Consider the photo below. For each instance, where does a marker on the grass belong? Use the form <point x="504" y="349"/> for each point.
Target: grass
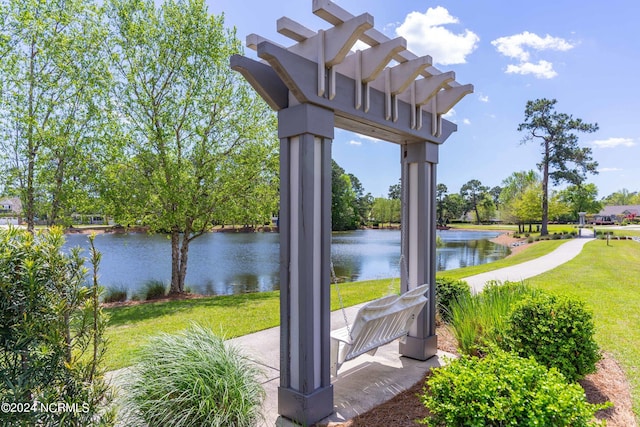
<point x="479" y="321"/>
<point x="607" y="278"/>
<point x="193" y="379"/>
<point x="227" y="315"/>
<point x="529" y="253"/>
<point x="130" y="326"/>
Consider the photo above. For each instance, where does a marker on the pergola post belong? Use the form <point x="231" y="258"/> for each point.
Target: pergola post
<point x="419" y="242"/>
<point x="382" y="91"/>
<point x="305" y="394"/>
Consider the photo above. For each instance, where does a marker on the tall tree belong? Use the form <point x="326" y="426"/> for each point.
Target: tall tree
<point x="395" y="191"/>
<point x="386" y="210"/>
<point x="513" y="189"/>
<point x="562" y="159"/>
<point x="343" y="200"/>
<point x="622" y="197"/>
<point x="54" y="71"/>
<point x="441" y="193"/>
<point x="581" y="198"/>
<point x="475" y="194"/>
<point x="363" y="201"/>
<point x="200" y="138"/>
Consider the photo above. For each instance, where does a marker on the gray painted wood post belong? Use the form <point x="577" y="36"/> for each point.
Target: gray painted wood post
<point x="305" y="394"/>
<point x="419" y="242"/>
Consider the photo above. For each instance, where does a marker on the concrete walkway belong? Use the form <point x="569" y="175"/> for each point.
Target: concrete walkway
<point x="362" y="383"/>
<point x="518" y="272"/>
<point x="368" y="381"/>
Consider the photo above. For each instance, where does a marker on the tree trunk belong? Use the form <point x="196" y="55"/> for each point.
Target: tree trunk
<point x="55" y="203"/>
<point x="31" y="145"/>
<point x="179" y="258"/>
<point x="175" y="261"/>
<point x="545" y="193"/>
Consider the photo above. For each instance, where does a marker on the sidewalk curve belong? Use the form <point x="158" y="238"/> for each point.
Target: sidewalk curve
<point x="525" y="270"/>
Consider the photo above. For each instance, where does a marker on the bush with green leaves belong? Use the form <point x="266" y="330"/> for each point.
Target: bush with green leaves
<point x="447" y="291"/>
<point x="192" y="379"/>
<point x="479" y="321"/>
<point x="51" y="332"/>
<point x="558" y="331"/>
<point x="503" y="389"/>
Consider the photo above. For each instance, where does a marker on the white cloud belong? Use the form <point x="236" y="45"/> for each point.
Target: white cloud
<point x="542" y="70"/>
<point x="609" y="169"/>
<point x="614" y="142"/>
<point x="483" y="98"/>
<point x="449" y="114"/>
<point x="426" y="35"/>
<point x="354" y="142"/>
<point x="466" y="121"/>
<point x="515" y="46"/>
<point x="520" y="47"/>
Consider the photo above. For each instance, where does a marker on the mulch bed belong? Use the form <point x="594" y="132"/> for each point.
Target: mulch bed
<point x="607" y="384"/>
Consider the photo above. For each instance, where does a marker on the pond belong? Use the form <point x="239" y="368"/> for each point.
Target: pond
<point x="231" y="263"/>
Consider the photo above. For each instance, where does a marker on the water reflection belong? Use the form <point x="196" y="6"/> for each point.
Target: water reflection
<point x="229" y="263"/>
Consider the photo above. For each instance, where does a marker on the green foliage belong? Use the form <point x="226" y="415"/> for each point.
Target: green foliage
<point x="558" y="331"/>
<point x="447" y="291"/>
<point x="479" y="321"/>
<point x="153" y="289"/>
<point x="193" y="379"/>
<point x="563" y="160"/>
<point x="502" y="389"/>
<point x="117" y="294"/>
<point x="201" y="145"/>
<point x="344" y="215"/>
<point x="476" y="196"/>
<point x="51" y="326"/>
<point x="386" y="211"/>
<point x="55" y="69"/>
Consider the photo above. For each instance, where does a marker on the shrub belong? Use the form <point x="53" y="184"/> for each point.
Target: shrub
<point x="504" y="389"/>
<point x="51" y="332"/>
<point x="115" y="294"/>
<point x="447" y="291"/>
<point x="192" y="379"/>
<point x="557" y="331"/>
<point x="153" y="289"/>
<point x="479" y="321"/>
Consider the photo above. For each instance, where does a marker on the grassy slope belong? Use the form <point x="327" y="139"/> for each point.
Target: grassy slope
<point x="236" y="315"/>
<point x="531" y="252"/>
<point x="607" y="278"/>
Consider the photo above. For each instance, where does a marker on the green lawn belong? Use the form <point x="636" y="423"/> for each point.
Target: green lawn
<point x="228" y="315"/>
<point x="235" y="315"/>
<point x="531" y="252"/>
<point x="607" y="278"/>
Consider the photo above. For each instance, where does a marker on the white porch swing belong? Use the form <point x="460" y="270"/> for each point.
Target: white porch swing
<point x="378" y="322"/>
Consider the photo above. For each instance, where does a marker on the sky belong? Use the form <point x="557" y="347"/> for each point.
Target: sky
<point x="583" y="53"/>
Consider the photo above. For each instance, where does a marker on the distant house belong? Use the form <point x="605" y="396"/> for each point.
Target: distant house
<point x="616" y="214"/>
<point x="10" y="210"/>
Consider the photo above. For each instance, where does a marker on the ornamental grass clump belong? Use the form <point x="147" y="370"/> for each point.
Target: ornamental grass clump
<point x="192" y="379"/>
<point x="479" y="321"/>
<point x="503" y="389"/>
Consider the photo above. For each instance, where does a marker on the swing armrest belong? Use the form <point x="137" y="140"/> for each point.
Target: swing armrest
<point x="342" y="335"/>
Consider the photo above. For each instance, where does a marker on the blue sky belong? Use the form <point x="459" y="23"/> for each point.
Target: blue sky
<point x="585" y="54"/>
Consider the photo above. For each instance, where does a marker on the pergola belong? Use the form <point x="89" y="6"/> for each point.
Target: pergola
<point x="384" y="92"/>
